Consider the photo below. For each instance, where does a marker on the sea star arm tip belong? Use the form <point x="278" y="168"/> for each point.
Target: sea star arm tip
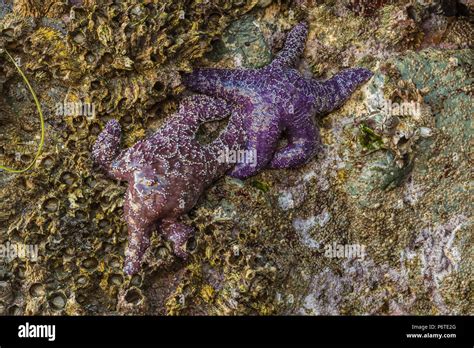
<point x="303" y="144"/>
<point x="138" y="243"/>
<point x="178" y="234"/>
<point x="336" y="90"/>
<point x="294" y="46"/>
<point x="107" y="147"/>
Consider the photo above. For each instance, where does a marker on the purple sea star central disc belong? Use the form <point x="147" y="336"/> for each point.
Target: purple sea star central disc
<point x="277" y="99"/>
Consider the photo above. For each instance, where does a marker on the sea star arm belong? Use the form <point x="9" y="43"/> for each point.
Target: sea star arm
<point x="303" y="143"/>
<point x="262" y="139"/>
<point x="332" y="93"/>
<point x="178" y="234"/>
<point x="229" y="142"/>
<point x="221" y="83"/>
<point x="294" y="46"/>
<point x="107" y="147"/>
<point x="198" y="109"/>
<point x="139" y="232"/>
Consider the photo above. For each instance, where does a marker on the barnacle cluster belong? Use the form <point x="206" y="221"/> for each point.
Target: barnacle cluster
<point x="233" y="270"/>
<point x="123" y="58"/>
<point x="365" y="7"/>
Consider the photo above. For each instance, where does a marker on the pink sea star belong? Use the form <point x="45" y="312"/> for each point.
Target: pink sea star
<point x="167" y="172"/>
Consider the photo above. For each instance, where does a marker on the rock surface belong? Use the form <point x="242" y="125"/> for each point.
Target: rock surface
<point x="392" y="182"/>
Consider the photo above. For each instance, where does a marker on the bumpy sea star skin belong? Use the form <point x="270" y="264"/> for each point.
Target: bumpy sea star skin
<point x="277" y="99"/>
<point x="167" y="172"/>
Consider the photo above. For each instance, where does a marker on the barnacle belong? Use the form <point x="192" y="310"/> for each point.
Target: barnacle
<point x="57" y="300"/>
<point x="37" y="290"/>
<point x="6" y="293"/>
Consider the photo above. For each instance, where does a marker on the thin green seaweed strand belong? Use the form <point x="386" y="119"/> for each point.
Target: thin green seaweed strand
<point x="38" y="107"/>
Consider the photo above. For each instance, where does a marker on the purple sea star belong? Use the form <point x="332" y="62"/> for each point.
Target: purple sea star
<point x="276" y="99"/>
<point x="167" y="172"/>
